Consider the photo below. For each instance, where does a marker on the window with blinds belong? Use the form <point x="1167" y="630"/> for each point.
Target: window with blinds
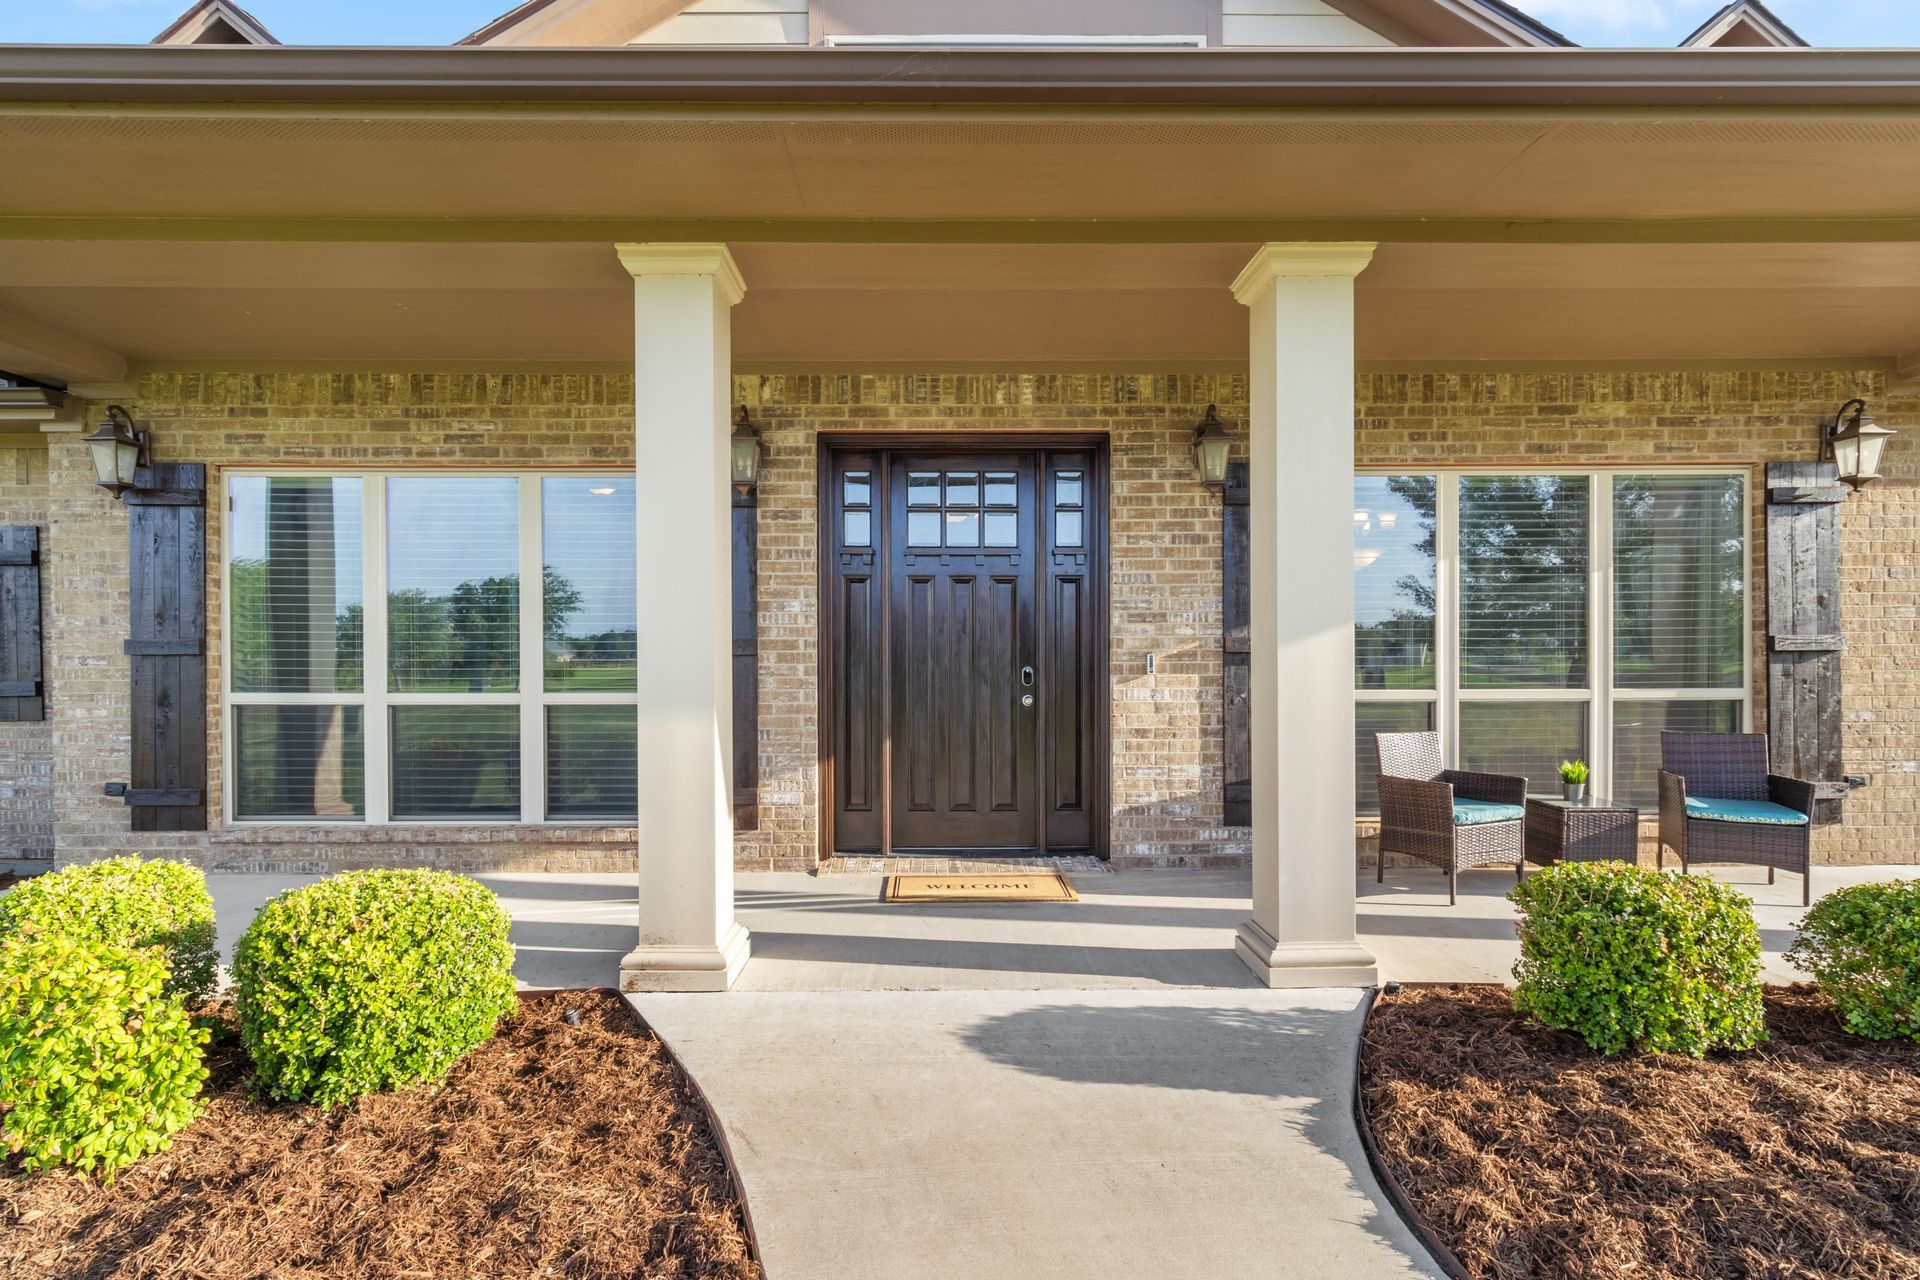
<point x="1573" y="614"/>
<point x="489" y="675"/>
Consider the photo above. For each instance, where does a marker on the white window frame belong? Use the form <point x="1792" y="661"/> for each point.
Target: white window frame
<point x="1599" y="694"/>
<point x="374" y="698"/>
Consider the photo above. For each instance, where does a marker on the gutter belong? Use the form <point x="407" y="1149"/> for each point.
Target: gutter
<point x="1217" y="77"/>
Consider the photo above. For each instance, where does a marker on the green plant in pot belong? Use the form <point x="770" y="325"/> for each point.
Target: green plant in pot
<point x="1573" y="779"/>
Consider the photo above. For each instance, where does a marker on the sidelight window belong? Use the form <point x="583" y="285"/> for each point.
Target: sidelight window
<point x="431" y="648"/>
<point x="1533" y="617"/>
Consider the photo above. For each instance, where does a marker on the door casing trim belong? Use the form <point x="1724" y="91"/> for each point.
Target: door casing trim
<point x="1098" y="442"/>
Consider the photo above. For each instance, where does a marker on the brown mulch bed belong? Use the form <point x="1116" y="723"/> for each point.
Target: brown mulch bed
<point x="552" y="1150"/>
<point x="1534" y="1158"/>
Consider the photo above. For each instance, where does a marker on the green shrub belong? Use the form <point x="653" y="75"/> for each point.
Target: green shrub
<point x="370" y="980"/>
<point x="1862" y="945"/>
<point x="1632" y="959"/>
<point x="99" y="1064"/>
<point x="131" y="903"/>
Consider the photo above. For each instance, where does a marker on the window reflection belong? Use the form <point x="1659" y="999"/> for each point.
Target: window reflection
<point x="453" y="583"/>
<point x="590" y="582"/>
<point x="1523" y="581"/>
<point x="1679" y="557"/>
<point x="294" y="582"/>
<point x="1527" y="739"/>
<point x="1394" y="579"/>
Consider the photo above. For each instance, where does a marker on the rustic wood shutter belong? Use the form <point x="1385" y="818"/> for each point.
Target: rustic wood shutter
<point x="167" y="542"/>
<point x="21" y="690"/>
<point x="1804" y="635"/>
<point x="746" y="662"/>
<point x="1236" y="656"/>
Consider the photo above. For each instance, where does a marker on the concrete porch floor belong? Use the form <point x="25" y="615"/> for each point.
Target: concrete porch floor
<point x="1131" y="929"/>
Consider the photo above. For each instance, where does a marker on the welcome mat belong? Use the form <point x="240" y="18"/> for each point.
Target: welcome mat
<point x="1039" y="886"/>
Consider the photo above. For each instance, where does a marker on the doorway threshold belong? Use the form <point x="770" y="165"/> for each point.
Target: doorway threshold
<point x="869" y="864"/>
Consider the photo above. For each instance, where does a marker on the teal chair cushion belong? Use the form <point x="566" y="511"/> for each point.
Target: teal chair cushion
<point x="1757" y="812"/>
<point x="1474" y="813"/>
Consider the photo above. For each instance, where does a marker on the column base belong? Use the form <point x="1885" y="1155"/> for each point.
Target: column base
<point x="687" y="968"/>
<point x="1304" y="964"/>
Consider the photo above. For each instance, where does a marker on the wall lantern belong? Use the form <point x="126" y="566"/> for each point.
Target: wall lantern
<point x="1854" y="444"/>
<point x="119" y="451"/>
<point x="1211" y="448"/>
<point x="747" y="453"/>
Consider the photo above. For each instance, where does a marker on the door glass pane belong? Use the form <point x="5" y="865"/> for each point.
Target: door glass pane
<point x="1679" y="563"/>
<point x="294" y="586"/>
<point x="859" y="528"/>
<point x="590" y="582"/>
<point x="1067" y="489"/>
<point x="923" y="488"/>
<point x="1370" y="718"/>
<point x="592" y="769"/>
<point x="1394" y="577"/>
<point x="963" y="488"/>
<point x="1523" y="582"/>
<point x="303" y="763"/>
<point x="1067" y="531"/>
<point x="858" y="489"/>
<point x="453" y="583"/>
<point x="1637" y="727"/>
<point x="456" y="762"/>
<point x="963" y="528"/>
<point x="1002" y="529"/>
<point x="923" y="528"/>
<point x="1529" y="739"/>
<point x="1003" y="489"/>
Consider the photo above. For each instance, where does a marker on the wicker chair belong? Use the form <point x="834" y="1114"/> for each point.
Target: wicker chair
<point x="1452" y="819"/>
<point x="1718" y="803"/>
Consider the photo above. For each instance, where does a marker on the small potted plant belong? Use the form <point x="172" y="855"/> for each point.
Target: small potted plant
<point x="1573" y="779"/>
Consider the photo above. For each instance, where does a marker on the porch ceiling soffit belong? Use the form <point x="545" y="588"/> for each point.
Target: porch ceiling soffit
<point x="1212" y="177"/>
<point x="847" y="305"/>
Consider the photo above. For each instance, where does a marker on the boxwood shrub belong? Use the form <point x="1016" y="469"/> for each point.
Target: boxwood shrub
<point x="99" y="1064"/>
<point x="1862" y="945"/>
<point x="1633" y="959"/>
<point x="127" y="902"/>
<point x="370" y="980"/>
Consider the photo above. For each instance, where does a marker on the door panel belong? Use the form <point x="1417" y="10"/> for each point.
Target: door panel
<point x="963" y="628"/>
<point x="964" y="609"/>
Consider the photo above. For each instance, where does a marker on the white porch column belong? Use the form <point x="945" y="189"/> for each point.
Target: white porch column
<point x="1302" y="933"/>
<point x="682" y="371"/>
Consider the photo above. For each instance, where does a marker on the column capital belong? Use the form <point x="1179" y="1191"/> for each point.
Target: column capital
<point x="1302" y="259"/>
<point x="713" y="260"/>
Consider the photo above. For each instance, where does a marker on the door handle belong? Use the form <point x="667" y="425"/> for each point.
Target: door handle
<point x="1026" y="677"/>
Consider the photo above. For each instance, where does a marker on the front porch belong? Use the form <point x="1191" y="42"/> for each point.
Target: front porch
<point x="1132" y="930"/>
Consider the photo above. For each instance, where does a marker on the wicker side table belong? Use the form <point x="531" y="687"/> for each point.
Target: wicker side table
<point x="1581" y="831"/>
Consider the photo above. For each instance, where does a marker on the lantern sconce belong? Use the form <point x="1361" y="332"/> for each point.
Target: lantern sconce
<point x="119" y="451"/>
<point x="1853" y="442"/>
<point x="747" y="453"/>
<point x="1212" y="446"/>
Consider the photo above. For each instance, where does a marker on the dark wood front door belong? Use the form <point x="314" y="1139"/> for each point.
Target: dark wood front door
<point x="964" y="622"/>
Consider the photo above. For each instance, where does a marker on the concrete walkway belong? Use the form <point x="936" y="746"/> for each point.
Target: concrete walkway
<point x="1015" y="1135"/>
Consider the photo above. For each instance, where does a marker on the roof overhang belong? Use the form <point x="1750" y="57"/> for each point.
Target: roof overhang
<point x="1138" y="79"/>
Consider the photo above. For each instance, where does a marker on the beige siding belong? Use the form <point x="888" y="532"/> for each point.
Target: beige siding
<point x="1292" y="23"/>
<point x="734" y="22"/>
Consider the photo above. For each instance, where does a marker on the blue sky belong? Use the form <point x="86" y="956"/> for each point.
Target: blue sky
<point x="1832" y="23"/>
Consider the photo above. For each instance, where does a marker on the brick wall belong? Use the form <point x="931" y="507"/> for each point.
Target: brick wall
<point x="26" y="747"/>
<point x="1165" y="564"/>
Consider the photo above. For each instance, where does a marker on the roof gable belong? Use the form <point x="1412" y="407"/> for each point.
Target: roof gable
<point x="1744" y="24"/>
<point x="216" y="22"/>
